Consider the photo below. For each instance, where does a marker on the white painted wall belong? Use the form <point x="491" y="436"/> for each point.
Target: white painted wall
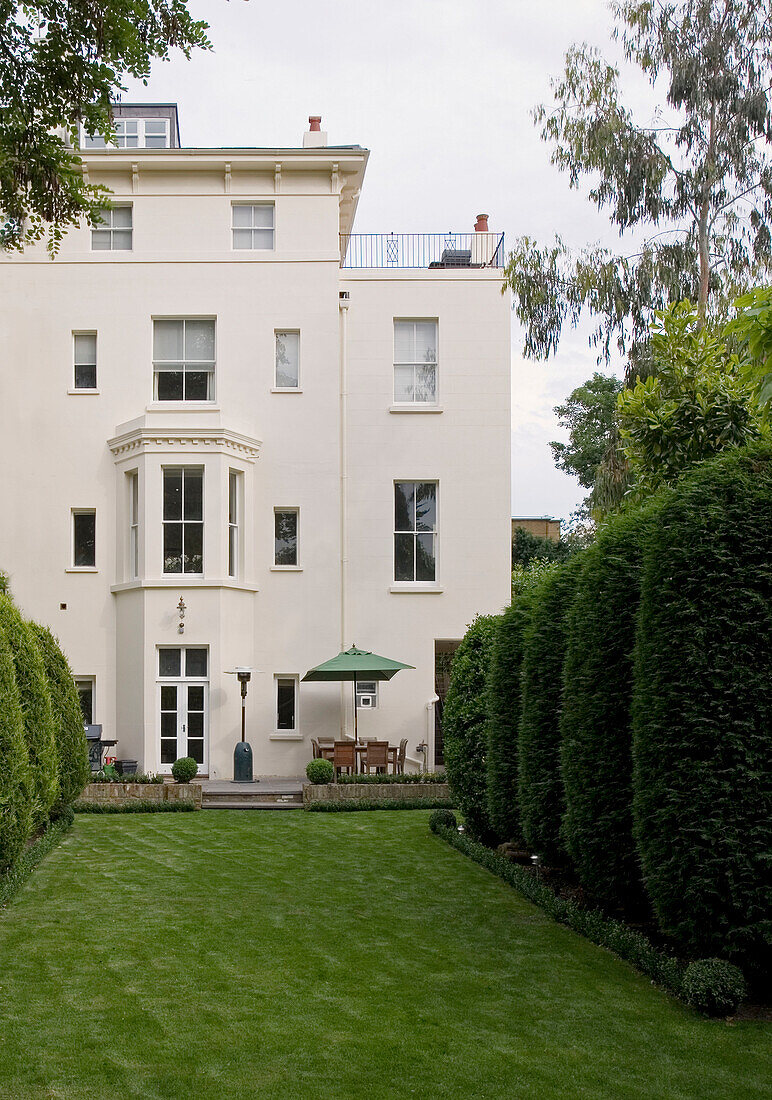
<point x="55" y="455"/>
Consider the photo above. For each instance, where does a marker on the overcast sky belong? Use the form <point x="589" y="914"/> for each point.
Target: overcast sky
<point x="441" y="92"/>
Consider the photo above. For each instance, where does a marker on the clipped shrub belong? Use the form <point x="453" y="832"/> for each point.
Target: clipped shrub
<point x="184" y="769"/>
<point x="320" y="771"/>
<point x="503" y="691"/>
<point x="35" y="699"/>
<point x="15" y="794"/>
<point x="445" y="819"/>
<point x="351" y="805"/>
<point x="540" y="783"/>
<point x="713" y="986"/>
<point x="72" y="752"/>
<point x="464" y="726"/>
<point x="702" y="712"/>
<point x="596" y="719"/>
<point x="405" y="779"/>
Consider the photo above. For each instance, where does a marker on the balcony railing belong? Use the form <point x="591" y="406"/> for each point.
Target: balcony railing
<point x="421" y="250"/>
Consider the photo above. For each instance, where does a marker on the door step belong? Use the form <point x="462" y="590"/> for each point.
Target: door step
<point x="257" y="796"/>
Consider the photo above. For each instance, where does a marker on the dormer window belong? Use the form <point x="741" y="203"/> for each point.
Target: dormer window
<point x="133" y="133"/>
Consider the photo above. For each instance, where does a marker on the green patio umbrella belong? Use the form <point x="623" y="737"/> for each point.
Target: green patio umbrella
<point x="356" y="664"/>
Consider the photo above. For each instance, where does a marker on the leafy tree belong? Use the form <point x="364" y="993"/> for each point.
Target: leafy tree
<point x="696" y="406"/>
<point x="71" y="750"/>
<point x="698" y="180"/>
<point x="60" y="66"/>
<point x="15" y="789"/>
<point x="528" y="548"/>
<point x="589" y="414"/>
<point x="753" y="327"/>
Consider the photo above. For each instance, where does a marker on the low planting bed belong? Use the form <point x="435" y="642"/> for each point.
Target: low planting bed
<point x="123" y="794"/>
<point x="427" y="795"/>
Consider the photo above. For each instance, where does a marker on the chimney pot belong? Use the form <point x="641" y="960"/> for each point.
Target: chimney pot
<point x="315" y="123"/>
<point x="481" y="225"/>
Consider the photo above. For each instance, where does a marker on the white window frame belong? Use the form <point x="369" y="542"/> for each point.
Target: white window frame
<point x="235" y="525"/>
<point x="183" y="681"/>
<point x="416" y="403"/>
<point x="74" y="512"/>
<point x="119" y="125"/>
<point x="109" y="228"/>
<point x="75" y="387"/>
<point x="286" y="734"/>
<point x="296" y="564"/>
<point x="187" y="365"/>
<point x="254" y="228"/>
<point x="276" y="334"/>
<point x="173" y="468"/>
<point x="132" y="478"/>
<point x="89" y="681"/>
<point x="415" y="583"/>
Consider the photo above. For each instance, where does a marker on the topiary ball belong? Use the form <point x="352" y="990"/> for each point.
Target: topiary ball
<point x="442" y="819"/>
<point x="320" y="771"/>
<point x="713" y="986"/>
<point x="184" y="769"/>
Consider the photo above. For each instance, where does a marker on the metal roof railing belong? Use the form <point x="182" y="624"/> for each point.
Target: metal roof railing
<point x="422" y="250"/>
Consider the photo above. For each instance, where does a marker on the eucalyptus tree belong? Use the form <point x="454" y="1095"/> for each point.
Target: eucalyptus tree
<point x="693" y="187"/>
<point x="61" y="65"/>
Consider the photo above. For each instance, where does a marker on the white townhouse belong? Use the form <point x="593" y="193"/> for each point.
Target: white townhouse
<point x="235" y="433"/>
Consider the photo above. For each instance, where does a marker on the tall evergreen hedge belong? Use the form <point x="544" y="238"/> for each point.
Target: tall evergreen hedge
<point x="15" y="794"/>
<point x="35" y="701"/>
<point x="702" y="712"/>
<point x="72" y="752"/>
<point x="503" y="688"/>
<point x="596" y="719"/>
<point x="540" y="784"/>
<point x="464" y="726"/>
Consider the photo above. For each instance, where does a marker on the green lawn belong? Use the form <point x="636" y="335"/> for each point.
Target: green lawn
<point x="227" y="955"/>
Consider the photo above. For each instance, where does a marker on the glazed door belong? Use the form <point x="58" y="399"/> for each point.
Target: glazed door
<point x="183" y="698"/>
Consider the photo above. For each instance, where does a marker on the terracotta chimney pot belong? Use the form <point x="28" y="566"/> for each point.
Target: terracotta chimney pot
<point x="315" y="123"/>
<point x="481" y="225"/>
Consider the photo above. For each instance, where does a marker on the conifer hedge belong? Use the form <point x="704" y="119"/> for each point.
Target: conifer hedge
<point x="595" y="722"/>
<point x="702" y="712"/>
<point x="15" y="795"/>
<point x="35" y="701"/>
<point x="464" y="726"/>
<point x="540" y="783"/>
<point x="72" y="752"/>
<point x="503" y="688"/>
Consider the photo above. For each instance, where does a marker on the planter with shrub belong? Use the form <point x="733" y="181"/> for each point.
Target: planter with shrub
<point x="320" y="771"/>
<point x="185" y="769"/>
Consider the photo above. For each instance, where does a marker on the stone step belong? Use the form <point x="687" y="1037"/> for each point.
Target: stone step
<point x="219" y="804"/>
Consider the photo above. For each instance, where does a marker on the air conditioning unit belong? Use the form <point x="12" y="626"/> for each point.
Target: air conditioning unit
<point x="366" y="701"/>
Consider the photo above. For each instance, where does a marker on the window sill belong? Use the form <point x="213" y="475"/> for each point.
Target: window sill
<point x="182" y="406"/>
<point x="286" y="389"/>
<point x="285" y="737"/>
<point x="286" y="568"/>
<point x="417" y="587"/>
<point x="82" y="569"/>
<point x="183" y="580"/>
<point x="416" y="409"/>
<point x="83" y="393"/>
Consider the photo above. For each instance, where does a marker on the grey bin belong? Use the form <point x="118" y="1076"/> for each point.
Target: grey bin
<point x="126" y="767"/>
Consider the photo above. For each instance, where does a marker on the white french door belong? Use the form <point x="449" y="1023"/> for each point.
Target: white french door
<point x="183" y="705"/>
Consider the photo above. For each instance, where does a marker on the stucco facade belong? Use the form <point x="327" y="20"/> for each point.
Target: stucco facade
<point x="328" y="450"/>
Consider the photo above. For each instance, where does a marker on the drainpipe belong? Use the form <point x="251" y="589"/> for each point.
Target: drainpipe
<point x="343" y="304"/>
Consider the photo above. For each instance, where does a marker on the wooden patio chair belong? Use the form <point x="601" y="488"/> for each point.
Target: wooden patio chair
<point x="376" y="756"/>
<point x="401" y="754"/>
<point x="315" y="750"/>
<point x="344" y="756"/>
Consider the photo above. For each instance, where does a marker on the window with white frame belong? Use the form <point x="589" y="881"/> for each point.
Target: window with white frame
<point x="415" y="362"/>
<point x="133" y="487"/>
<point x="235" y="497"/>
<point x="132" y="133"/>
<point x="286" y="704"/>
<point x="84" y="538"/>
<point x="415" y="531"/>
<point x="184" y="359"/>
<point x="286" y="523"/>
<point x="287" y="360"/>
<point x="86" y="688"/>
<point x="112" y="230"/>
<point x="253" y="225"/>
<point x="183" y="519"/>
<point x="85" y="357"/>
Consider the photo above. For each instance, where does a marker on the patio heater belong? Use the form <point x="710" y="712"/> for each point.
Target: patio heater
<point x="242" y="754"/>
